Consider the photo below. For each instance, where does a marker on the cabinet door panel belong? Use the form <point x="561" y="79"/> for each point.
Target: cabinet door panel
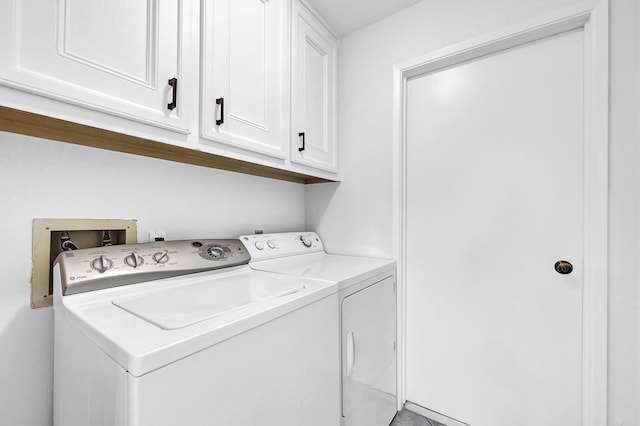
<point x="314" y="93"/>
<point x="313" y="107"/>
<point x="243" y="63"/>
<point x="248" y="50"/>
<point x="114" y="56"/>
<point x="114" y="48"/>
<point x="368" y="355"/>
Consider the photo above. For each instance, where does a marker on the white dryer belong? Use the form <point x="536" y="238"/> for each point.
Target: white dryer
<point x="185" y="333"/>
<point x="367" y="297"/>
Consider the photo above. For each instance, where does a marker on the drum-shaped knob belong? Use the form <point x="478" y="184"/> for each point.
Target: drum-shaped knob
<point x="134" y="260"/>
<point x="101" y="264"/>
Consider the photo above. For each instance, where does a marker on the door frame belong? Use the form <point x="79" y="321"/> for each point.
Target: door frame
<point x="593" y="18"/>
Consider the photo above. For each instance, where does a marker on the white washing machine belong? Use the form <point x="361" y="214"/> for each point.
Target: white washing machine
<point x="185" y="333"/>
<point x="367" y="297"/>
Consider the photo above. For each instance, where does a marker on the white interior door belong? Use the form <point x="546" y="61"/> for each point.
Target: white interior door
<point x="494" y="198"/>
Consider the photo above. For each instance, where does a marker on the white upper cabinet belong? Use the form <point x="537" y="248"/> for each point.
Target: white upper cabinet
<point x="245" y="74"/>
<point x="113" y="56"/>
<point x="251" y="80"/>
<point x="314" y="86"/>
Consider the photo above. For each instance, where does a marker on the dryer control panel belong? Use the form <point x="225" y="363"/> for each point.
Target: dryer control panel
<point x="103" y="267"/>
<point x="270" y="246"/>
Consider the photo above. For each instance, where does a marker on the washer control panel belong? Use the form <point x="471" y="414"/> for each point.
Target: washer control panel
<point x="270" y="246"/>
<point x="103" y="267"/>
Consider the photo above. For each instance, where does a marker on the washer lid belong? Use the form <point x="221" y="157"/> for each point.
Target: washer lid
<point x="176" y="308"/>
<point x="346" y="270"/>
<point x="146" y="326"/>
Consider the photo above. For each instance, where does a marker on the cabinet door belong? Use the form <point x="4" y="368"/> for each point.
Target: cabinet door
<point x="368" y="355"/>
<point x="113" y="56"/>
<point x="244" y="74"/>
<point x="314" y="86"/>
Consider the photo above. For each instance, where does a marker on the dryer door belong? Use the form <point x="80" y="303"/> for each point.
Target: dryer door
<point x="368" y="355"/>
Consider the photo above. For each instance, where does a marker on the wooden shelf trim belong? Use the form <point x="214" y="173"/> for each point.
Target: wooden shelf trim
<point x="26" y="123"/>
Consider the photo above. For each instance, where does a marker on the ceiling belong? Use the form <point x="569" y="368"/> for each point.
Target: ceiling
<point x="347" y="16"/>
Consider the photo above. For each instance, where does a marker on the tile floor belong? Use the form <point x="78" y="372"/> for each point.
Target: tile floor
<point x="408" y="418"/>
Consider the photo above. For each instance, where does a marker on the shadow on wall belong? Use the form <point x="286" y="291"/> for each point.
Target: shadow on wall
<point x="26" y="368"/>
<point x="318" y="197"/>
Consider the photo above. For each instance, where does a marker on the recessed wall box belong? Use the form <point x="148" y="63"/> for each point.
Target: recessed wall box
<point x="52" y="236"/>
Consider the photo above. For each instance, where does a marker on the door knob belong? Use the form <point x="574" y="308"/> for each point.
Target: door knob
<point x="563" y="267"/>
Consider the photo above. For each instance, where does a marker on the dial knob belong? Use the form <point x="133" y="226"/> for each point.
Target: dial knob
<point x="161" y="256"/>
<point x="271" y="244"/>
<point x="215" y="252"/>
<point x="134" y="260"/>
<point x="259" y="245"/>
<point x="306" y="241"/>
<point x="101" y="264"/>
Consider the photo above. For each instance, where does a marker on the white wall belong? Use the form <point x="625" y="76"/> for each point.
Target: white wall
<point x="45" y="179"/>
<point x="624" y="214"/>
<point x="355" y="216"/>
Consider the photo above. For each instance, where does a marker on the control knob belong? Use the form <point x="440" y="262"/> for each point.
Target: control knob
<point x="134" y="260"/>
<point x="161" y="256"/>
<point x="215" y="252"/>
<point x="259" y="245"/>
<point x="101" y="264"/>
<point x="306" y="241"/>
<point x="271" y="244"/>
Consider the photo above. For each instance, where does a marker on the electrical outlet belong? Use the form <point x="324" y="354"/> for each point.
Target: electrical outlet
<point x="157" y="236"/>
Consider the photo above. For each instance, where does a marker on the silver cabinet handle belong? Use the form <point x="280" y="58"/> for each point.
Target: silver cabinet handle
<point x="351" y="352"/>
